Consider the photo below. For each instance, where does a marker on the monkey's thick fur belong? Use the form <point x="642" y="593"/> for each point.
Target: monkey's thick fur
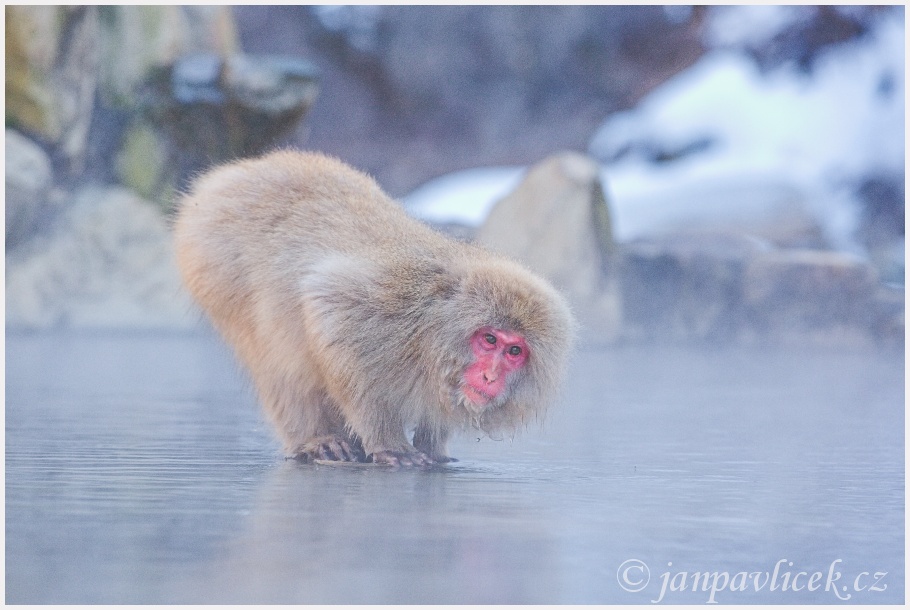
<point x="354" y="319"/>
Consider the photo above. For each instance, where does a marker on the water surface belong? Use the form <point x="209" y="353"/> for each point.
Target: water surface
<point x="139" y="470"/>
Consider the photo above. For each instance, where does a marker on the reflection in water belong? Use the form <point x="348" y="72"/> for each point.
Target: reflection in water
<point x="356" y="535"/>
<point x="138" y="469"/>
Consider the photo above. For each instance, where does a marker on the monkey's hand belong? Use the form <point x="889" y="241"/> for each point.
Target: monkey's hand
<point x="402" y="458"/>
<point x="332" y="448"/>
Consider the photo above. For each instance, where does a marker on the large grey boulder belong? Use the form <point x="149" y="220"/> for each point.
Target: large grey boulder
<point x="28" y="188"/>
<point x="108" y="263"/>
<point x="557" y="223"/>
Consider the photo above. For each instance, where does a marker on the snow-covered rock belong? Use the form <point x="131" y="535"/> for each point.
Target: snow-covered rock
<point x="723" y="123"/>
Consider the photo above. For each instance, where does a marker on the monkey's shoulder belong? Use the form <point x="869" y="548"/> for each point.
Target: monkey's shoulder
<point x="392" y="281"/>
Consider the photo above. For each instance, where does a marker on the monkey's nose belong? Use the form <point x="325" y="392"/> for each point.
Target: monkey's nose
<point x="490" y="376"/>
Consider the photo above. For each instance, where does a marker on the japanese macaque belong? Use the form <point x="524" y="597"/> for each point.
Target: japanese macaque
<point x="357" y="322"/>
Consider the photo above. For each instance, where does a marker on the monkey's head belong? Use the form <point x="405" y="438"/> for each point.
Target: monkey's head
<point x="513" y="332"/>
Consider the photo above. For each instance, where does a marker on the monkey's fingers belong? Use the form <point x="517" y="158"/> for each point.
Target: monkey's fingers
<point x="402" y="458"/>
<point x="337" y="449"/>
<point x="350" y="453"/>
<point x="330" y="449"/>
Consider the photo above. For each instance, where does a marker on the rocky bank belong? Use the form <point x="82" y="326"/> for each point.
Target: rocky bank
<point x="109" y="109"/>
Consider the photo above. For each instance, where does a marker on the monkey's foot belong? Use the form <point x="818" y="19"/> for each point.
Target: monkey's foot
<point x="402" y="458"/>
<point x="331" y="448"/>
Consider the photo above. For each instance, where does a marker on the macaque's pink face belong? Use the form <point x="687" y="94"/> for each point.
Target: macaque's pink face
<point x="497" y="354"/>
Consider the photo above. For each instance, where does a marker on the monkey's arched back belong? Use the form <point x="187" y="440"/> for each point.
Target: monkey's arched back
<point x="309" y="200"/>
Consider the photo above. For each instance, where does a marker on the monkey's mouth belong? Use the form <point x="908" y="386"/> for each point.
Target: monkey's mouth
<point x="477" y="399"/>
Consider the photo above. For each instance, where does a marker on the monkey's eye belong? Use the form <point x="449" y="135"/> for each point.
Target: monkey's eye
<point x="491" y="339"/>
<point x="514" y="350"/>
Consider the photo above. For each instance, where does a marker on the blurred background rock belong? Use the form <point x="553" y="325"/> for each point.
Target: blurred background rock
<point x="110" y="109"/>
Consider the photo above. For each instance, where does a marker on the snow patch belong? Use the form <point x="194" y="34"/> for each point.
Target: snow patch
<point x="464" y="197"/>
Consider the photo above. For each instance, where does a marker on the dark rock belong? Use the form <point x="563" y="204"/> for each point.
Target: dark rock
<point x="215" y="110"/>
<point x="271" y="84"/>
<point x="137" y="40"/>
<point x="196" y="79"/>
<point x="805" y="41"/>
<point x="881" y="228"/>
